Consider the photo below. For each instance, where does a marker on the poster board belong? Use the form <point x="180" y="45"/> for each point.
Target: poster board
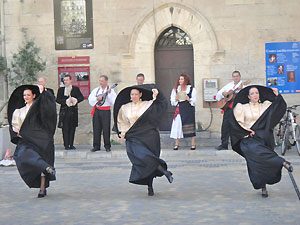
<point x="283" y="66"/>
<point x="79" y="72"/>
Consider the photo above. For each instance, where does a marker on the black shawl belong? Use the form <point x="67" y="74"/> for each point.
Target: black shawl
<point x="151" y="118"/>
<point x="267" y="121"/>
<point x="39" y="125"/>
<point x="142" y="139"/>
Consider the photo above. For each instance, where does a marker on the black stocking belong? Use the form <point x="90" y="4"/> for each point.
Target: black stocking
<point x="150" y="182"/>
<point x="168" y="174"/>
<point x="161" y="169"/>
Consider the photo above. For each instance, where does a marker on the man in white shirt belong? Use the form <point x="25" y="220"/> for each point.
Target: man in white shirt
<point x="101" y="113"/>
<point x="233" y="85"/>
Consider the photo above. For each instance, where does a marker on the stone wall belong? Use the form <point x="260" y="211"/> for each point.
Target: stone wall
<point x="227" y="35"/>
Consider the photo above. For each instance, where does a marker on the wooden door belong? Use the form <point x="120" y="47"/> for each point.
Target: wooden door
<point x="173" y="56"/>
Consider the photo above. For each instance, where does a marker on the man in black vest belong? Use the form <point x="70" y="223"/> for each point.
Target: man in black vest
<point x="68" y="97"/>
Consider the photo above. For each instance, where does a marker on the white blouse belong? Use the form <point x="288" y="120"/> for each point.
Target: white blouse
<point x="18" y="117"/>
<point x="188" y="88"/>
<point x="247" y="114"/>
<point x="129" y="114"/>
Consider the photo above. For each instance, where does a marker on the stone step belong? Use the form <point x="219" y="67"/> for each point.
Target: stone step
<point x="203" y="139"/>
<point x="119" y="151"/>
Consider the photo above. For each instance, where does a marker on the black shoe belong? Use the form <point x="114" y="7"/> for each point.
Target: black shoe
<point x="107" y="149"/>
<point x="150" y="191"/>
<point x="95" y="149"/>
<point x="288" y="166"/>
<point x="72" y="147"/>
<point x="193" y="147"/>
<point x="169" y="176"/>
<point x="51" y="172"/>
<point x="67" y="148"/>
<point x="175" y="147"/>
<point x="42" y="194"/>
<point x="220" y="147"/>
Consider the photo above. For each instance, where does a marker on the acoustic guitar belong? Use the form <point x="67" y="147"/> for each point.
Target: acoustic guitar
<point x="104" y="96"/>
<point x="225" y="102"/>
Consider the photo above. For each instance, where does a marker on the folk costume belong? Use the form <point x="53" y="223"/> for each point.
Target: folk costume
<point x="36" y="124"/>
<point x="139" y="123"/>
<point x="101" y="117"/>
<point x="68" y="114"/>
<point x="183" y="124"/>
<point x="263" y="163"/>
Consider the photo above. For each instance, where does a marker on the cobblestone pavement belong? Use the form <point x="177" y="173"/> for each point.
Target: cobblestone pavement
<point x="209" y="188"/>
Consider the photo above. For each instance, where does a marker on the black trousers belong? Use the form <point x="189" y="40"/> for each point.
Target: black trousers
<point x="101" y="122"/>
<point x="68" y="129"/>
<point x="225" y="130"/>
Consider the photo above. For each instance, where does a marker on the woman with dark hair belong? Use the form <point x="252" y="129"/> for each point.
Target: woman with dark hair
<point x="137" y="112"/>
<point x="183" y="97"/>
<point x="32" y="126"/>
<point x="257" y="109"/>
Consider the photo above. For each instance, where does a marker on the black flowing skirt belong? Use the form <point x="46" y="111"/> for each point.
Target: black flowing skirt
<point x="30" y="165"/>
<point x="264" y="165"/>
<point x="144" y="162"/>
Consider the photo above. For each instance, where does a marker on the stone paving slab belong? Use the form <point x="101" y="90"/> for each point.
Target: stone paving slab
<point x="207" y="189"/>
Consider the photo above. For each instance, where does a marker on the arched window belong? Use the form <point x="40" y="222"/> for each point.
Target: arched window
<point x="172" y="37"/>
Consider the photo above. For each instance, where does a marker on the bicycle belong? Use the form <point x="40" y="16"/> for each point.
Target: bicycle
<point x="290" y="130"/>
<point x="278" y="132"/>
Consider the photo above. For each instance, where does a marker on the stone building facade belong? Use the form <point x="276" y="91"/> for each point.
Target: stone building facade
<point x="226" y="35"/>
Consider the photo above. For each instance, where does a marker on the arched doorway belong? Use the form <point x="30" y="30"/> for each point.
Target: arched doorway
<point x="173" y="56"/>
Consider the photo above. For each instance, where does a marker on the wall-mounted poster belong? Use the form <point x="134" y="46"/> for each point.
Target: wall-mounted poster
<point x="73" y="22"/>
<point x="80" y="78"/>
<point x="283" y="66"/>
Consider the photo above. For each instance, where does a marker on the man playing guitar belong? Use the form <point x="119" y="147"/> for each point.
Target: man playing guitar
<point x="101" y="113"/>
<point x="231" y="88"/>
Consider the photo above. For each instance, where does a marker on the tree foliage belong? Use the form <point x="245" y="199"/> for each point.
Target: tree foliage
<point x="24" y="67"/>
<point x="26" y="64"/>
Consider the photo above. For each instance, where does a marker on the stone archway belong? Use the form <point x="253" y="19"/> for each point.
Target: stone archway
<point x="140" y="57"/>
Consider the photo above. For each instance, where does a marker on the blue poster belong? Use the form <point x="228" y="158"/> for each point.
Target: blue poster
<point x="283" y="66"/>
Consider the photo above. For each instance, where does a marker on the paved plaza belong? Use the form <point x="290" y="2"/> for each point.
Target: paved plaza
<point x="209" y="187"/>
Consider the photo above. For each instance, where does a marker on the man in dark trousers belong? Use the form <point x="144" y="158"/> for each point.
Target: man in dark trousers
<point x="235" y="84"/>
<point x="68" y="97"/>
<point x="101" y="113"/>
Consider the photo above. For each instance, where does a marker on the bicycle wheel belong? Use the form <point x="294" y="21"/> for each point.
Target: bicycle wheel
<point x="286" y="140"/>
<point x="277" y="132"/>
<point x="297" y="138"/>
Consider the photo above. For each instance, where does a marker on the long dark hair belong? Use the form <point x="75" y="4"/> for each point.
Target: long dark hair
<point x="187" y="80"/>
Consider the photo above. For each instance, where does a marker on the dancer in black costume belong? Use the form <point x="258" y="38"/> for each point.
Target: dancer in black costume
<point x="32" y="126"/>
<point x="137" y="112"/>
<point x="257" y="109"/>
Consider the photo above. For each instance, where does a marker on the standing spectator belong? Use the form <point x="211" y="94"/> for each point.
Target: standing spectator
<point x="68" y="97"/>
<point x="42" y="81"/>
<point x="140" y="78"/>
<point x="101" y="113"/>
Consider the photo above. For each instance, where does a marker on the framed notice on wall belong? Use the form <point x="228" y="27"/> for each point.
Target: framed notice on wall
<point x="80" y="78"/>
<point x="283" y="66"/>
<point x="78" y="68"/>
<point x="73" y="22"/>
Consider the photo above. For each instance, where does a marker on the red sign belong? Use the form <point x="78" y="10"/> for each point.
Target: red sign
<point x="74" y="60"/>
<point x="80" y="78"/>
